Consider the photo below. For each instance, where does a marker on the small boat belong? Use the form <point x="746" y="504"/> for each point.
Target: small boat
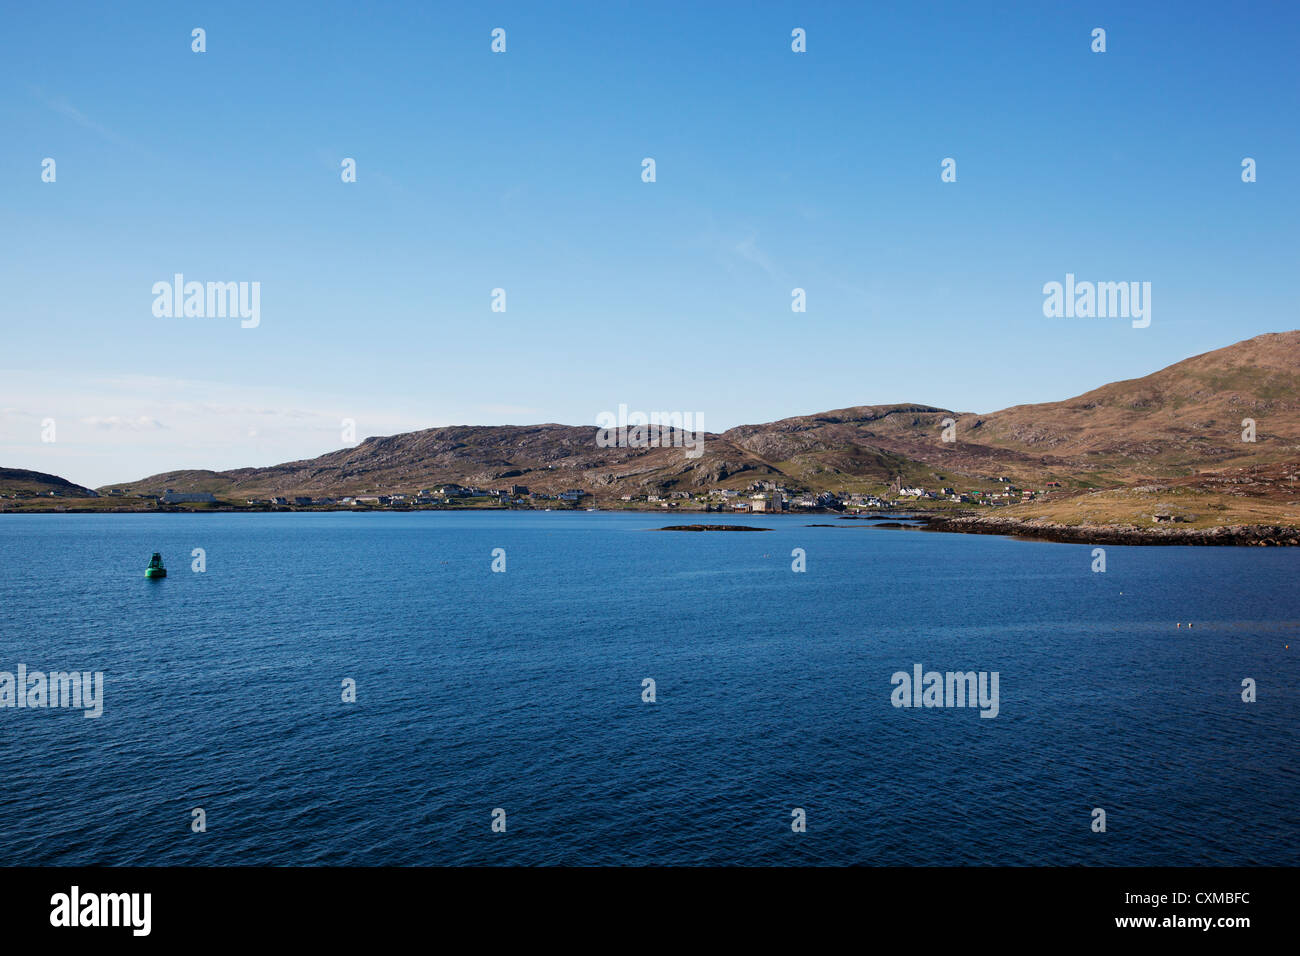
<point x="155" y="569"/>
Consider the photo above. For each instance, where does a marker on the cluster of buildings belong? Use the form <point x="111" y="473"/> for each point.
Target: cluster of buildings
<point x="168" y="496"/>
<point x="517" y="495"/>
<point x="761" y="497"/>
<point x="768" y="497"/>
<point x="299" y="501"/>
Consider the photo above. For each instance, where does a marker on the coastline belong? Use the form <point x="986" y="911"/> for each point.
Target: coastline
<point x="1033" y="529"/>
<point x="1040" y="530"/>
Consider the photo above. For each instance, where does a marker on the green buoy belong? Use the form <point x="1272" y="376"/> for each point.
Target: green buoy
<point x="155" y="569"/>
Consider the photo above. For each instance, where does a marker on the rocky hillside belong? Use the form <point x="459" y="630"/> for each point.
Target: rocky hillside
<point x="546" y="458"/>
<point x="1171" y="423"/>
<point x="1167" y="425"/>
<point x="1185" y="417"/>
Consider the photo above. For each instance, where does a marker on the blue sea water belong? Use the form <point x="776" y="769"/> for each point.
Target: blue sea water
<point x="523" y="691"/>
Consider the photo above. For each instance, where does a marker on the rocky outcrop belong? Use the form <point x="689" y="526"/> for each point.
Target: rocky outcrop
<point x="713" y="527"/>
<point x="1251" y="535"/>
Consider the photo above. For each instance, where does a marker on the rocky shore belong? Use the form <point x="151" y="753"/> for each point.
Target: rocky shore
<point x="1041" y="530"/>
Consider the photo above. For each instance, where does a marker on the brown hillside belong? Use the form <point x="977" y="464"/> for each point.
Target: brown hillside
<point x="1174" y="422"/>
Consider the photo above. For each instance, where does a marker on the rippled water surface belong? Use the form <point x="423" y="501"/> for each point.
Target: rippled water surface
<point x="522" y="690"/>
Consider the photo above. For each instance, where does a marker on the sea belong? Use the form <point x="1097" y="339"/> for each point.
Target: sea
<point x="582" y="688"/>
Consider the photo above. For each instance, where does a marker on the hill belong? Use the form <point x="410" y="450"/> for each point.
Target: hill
<point x="1168" y="425"/>
<point x="1176" y="421"/>
<point x="19" y="483"/>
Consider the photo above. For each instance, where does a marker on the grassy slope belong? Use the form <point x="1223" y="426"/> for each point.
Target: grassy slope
<point x="1135" y="506"/>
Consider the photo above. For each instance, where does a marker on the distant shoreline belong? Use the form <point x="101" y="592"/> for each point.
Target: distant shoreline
<point x="469" y="510"/>
<point x="1032" y="530"/>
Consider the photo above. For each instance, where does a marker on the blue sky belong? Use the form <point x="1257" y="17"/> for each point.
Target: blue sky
<point x="522" y="171"/>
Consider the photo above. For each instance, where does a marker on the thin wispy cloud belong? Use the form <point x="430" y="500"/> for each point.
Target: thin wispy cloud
<point x="748" y="250"/>
<point x="62" y="106"/>
<point x="739" y="253"/>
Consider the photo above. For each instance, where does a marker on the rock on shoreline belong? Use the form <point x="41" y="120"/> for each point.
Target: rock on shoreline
<point x="1038" y="529"/>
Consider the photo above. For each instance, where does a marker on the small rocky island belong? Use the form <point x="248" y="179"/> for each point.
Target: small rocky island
<point x="713" y="527"/>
